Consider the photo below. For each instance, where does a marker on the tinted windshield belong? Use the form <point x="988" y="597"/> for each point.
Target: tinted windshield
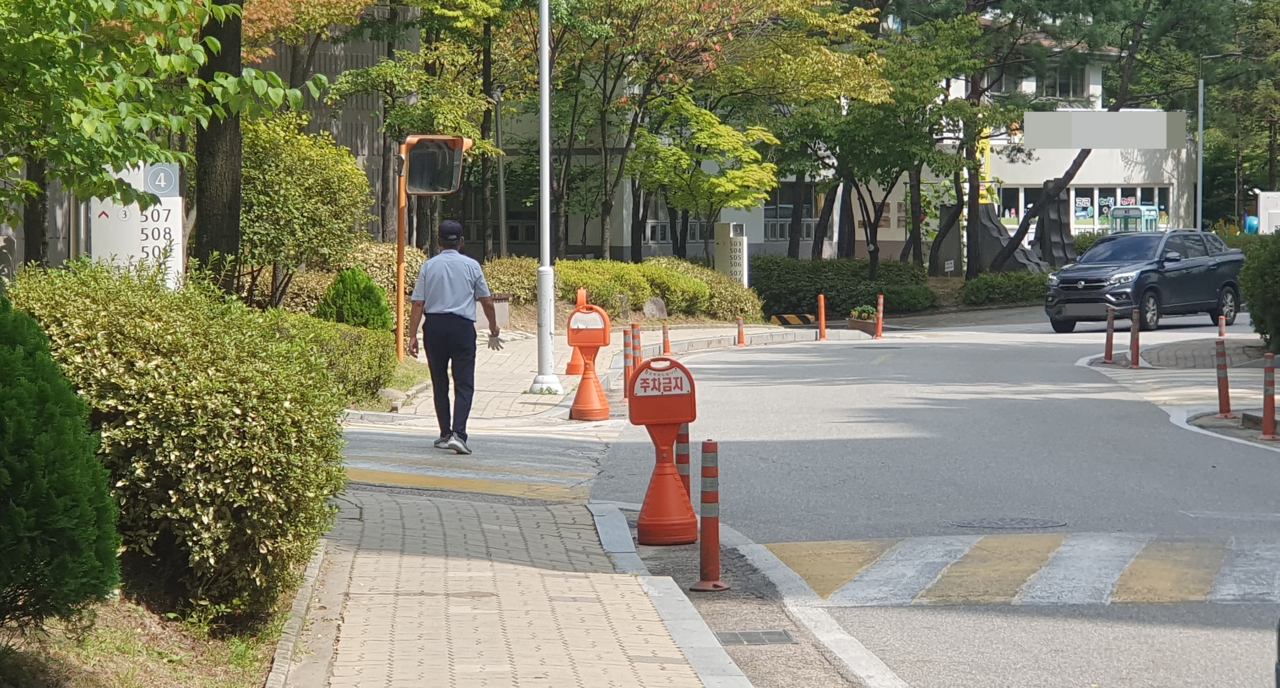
<point x="1128" y="249"/>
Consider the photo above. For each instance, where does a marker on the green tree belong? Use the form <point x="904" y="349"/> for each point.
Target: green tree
<point x="57" y="516"/>
<point x="353" y="299"/>
<point x="692" y="139"/>
<point x="305" y="197"/>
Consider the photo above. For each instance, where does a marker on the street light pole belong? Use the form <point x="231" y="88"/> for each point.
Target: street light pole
<point x="546" y="381"/>
<point x="502" y="174"/>
<point x="1200" y="140"/>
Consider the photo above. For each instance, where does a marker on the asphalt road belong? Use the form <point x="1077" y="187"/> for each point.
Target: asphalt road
<point x="848" y="448"/>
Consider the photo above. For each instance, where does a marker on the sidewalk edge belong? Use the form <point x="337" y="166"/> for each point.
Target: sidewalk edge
<point x="282" y="661"/>
<point x="714" y="667"/>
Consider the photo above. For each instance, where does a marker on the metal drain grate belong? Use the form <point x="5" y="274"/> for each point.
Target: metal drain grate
<point x="756" y="638"/>
<point x="1010" y="523"/>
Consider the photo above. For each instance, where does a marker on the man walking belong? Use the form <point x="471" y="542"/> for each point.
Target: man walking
<point x="446" y="293"/>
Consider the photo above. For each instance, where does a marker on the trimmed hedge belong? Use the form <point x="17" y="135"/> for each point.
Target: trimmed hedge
<point x="377" y="259"/>
<point x="728" y="300"/>
<point x="516" y="276"/>
<point x="57" y="517"/>
<point x="1260" y="282"/>
<point x="681" y="293"/>
<point x="353" y="299"/>
<point x="362" y="361"/>
<point x="788" y="285"/>
<point x="1004" y="288"/>
<point x="221" y="436"/>
<point x="605" y="281"/>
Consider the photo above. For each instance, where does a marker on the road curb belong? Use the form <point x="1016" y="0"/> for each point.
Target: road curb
<point x="714" y="667"/>
<point x="282" y="661"/>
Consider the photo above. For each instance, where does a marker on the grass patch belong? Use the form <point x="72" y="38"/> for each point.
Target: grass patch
<point x="128" y="646"/>
<point x="409" y="374"/>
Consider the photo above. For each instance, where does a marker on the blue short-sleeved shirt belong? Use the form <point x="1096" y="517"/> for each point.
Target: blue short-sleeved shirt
<point x="450" y="283"/>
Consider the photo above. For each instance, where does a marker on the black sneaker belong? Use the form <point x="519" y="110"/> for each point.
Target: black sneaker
<point x="457" y="445"/>
<point x="442" y="442"/>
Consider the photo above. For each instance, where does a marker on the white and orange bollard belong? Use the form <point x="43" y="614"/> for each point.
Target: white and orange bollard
<point x="1134" y="326"/>
<point x="1224" y="389"/>
<point x="1108" y="353"/>
<point x="628" y="362"/>
<point x="742" y="333"/>
<point x="1269" y="399"/>
<point x="880" y="317"/>
<point x="682" y="457"/>
<point x="709" y="546"/>
<point x="637" y="355"/>
<point x="666" y="340"/>
<point x="822" y="317"/>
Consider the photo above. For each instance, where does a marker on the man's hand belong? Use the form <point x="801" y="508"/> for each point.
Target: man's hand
<point x="494" y="342"/>
<point x="413" y="344"/>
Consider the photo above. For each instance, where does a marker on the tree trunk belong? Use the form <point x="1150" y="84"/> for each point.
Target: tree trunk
<point x="973" y="226"/>
<point x="302" y="57"/>
<point x="824" y="224"/>
<point x="486" y="130"/>
<point x="1024" y="225"/>
<point x="219" y="154"/>
<point x="797" y="216"/>
<point x="390" y="191"/>
<point x="606" y="216"/>
<point x="1273" y="147"/>
<point x="684" y="234"/>
<point x="422" y="224"/>
<point x="915" y="243"/>
<point x="638" y="221"/>
<point x="35" y="214"/>
<point x="560" y="232"/>
<point x="847" y="243"/>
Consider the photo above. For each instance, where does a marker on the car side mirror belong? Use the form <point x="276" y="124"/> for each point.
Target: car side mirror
<point x="1172" y="256"/>
<point x="1235" y="251"/>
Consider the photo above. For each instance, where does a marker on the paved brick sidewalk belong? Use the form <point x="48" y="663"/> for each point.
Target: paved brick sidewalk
<point x="1200" y="354"/>
<point x="503" y="377"/>
<point x="418" y="591"/>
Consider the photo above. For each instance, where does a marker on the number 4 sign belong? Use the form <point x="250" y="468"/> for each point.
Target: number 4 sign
<point x="130" y="234"/>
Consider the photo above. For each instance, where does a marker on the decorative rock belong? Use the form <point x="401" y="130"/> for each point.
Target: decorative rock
<point x="392" y="395"/>
<point x="655" y="309"/>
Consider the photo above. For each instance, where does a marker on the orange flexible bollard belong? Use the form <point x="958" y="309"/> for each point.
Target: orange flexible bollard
<point x="822" y="317"/>
<point x="1269" y="399"/>
<point x="628" y="362"/>
<point x="880" y="317"/>
<point x="1135" y="325"/>
<point x="682" y="457"/>
<point x="1224" y="390"/>
<point x="742" y="333"/>
<point x="1107" y="356"/>
<point x="1222" y="326"/>
<point x="709" y="548"/>
<point x="637" y="355"/>
<point x="666" y="340"/>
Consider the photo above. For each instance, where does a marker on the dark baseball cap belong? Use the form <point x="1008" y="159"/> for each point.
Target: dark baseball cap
<point x="450" y="230"/>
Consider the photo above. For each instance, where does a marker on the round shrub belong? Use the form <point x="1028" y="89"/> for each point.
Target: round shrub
<point x="729" y="300"/>
<point x="991" y="288"/>
<point x="362" y="361"/>
<point x="680" y="292"/>
<point x="1260" y="281"/>
<point x="221" y="436"/>
<point x="355" y="300"/>
<point x="516" y="276"/>
<point x="57" y="517"/>
<point x="788" y="285"/>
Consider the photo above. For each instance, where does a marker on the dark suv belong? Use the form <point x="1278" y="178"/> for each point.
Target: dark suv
<point x="1177" y="272"/>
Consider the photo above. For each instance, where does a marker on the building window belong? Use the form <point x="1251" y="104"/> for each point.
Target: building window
<point x="1064" y="82"/>
<point x="1147" y="195"/>
<point x="1083" y="208"/>
<point x="1009" y="203"/>
<point x="1162" y="201"/>
<point x="530" y="233"/>
<point x="659" y="233"/>
<point x="781" y="202"/>
<point x="1107" y="199"/>
<point x="1129" y="195"/>
<point x="513" y="231"/>
<point x="1008" y="80"/>
<point x="1030" y="197"/>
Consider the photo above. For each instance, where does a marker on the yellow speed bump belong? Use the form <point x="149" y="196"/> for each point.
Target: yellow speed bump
<point x="1169" y="571"/>
<point x="828" y="566"/>
<point x="993" y="571"/>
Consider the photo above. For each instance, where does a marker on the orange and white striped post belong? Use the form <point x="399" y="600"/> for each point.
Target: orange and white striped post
<point x="742" y="333"/>
<point x="1134" y="326"/>
<point x="637" y="356"/>
<point x="1224" y="390"/>
<point x="682" y="457"/>
<point x="822" y="317"/>
<point x="709" y="546"/>
<point x="1107" y="354"/>
<point x="1222" y="326"/>
<point x="666" y="340"/>
<point x="1269" y="399"/>
<point x="628" y="362"/>
<point x="880" y="317"/>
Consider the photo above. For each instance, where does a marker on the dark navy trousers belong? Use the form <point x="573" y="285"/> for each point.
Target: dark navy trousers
<point x="451" y="339"/>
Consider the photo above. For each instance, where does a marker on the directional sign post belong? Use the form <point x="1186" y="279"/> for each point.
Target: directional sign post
<point x="129" y="234"/>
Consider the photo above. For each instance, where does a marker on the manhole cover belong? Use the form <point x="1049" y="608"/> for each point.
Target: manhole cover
<point x="1010" y="523"/>
<point x="756" y="638"/>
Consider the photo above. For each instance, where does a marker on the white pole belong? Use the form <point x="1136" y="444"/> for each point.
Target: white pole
<point x="546" y="382"/>
<point x="502" y="180"/>
<point x="1200" y="154"/>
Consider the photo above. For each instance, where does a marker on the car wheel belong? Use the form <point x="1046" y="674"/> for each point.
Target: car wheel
<point x="1149" y="312"/>
<point x="1228" y="306"/>
<point x="1063" y="326"/>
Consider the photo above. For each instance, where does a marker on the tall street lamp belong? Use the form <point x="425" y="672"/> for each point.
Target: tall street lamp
<point x="1200" y="140"/>
<point x="546" y="381"/>
<point x="502" y="173"/>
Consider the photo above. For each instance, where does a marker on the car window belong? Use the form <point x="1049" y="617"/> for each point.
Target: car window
<point x="1216" y="244"/>
<point x="1123" y="249"/>
<point x="1195" y="247"/>
<point x="1176" y="244"/>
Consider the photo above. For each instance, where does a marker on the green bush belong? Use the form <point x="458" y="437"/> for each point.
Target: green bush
<point x="362" y="361"/>
<point x="1249" y="243"/>
<point x="1004" y="288"/>
<point x="792" y="286"/>
<point x="728" y="301"/>
<point x="1085" y="240"/>
<point x="1260" y="282"/>
<point x="515" y="276"/>
<point x="355" y="300"/>
<point x="221" y="436"/>
<point x="604" y="280"/>
<point x="377" y="259"/>
<point x="57" y="518"/>
<point x="680" y="292"/>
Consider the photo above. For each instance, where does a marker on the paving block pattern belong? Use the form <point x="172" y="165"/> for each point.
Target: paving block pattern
<point x="1199" y="354"/>
<point x="475" y="595"/>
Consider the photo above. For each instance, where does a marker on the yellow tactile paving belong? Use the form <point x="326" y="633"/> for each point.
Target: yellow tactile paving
<point x="1168" y="571"/>
<point x="529" y="490"/>
<point x="827" y="566"/>
<point x="993" y="571"/>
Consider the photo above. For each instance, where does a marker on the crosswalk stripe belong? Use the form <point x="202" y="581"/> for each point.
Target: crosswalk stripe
<point x="899" y="576"/>
<point x="1083" y="570"/>
<point x="828" y="566"/>
<point x="1250" y="574"/>
<point x="993" y="571"/>
<point x="1168" y="571"/>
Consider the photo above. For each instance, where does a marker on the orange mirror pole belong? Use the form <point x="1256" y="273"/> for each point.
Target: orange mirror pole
<point x="400" y="241"/>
